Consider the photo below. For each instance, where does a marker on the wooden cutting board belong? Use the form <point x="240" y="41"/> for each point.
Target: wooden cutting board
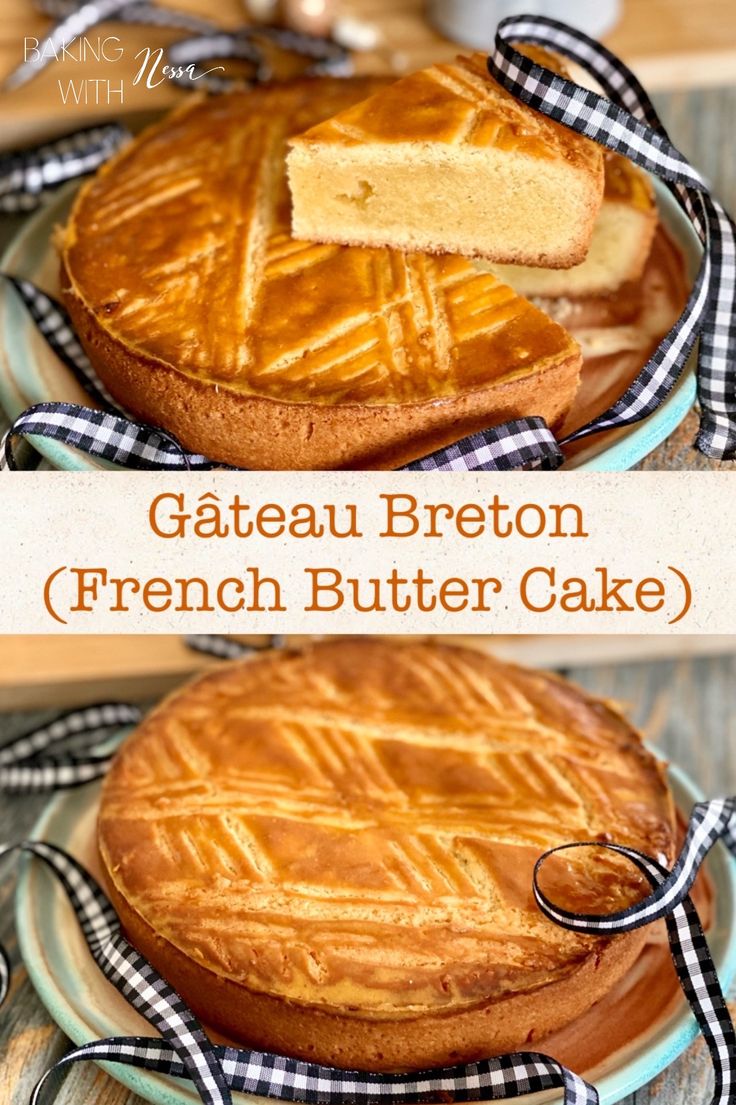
<point x="670" y="44"/>
<point x="63" y="671"/>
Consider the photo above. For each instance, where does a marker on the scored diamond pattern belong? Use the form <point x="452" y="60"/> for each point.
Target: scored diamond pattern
<point x="456" y="104"/>
<point x="357" y="811"/>
<point x="182" y="246"/>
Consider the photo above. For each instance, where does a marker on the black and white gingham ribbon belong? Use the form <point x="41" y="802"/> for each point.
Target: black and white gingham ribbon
<point x="709" y="822"/>
<point x="33" y="762"/>
<point x="28" y="176"/>
<point x="628" y="123"/>
<point x="227" y="648"/>
<point x="327" y="57"/>
<point x="215" y="1071"/>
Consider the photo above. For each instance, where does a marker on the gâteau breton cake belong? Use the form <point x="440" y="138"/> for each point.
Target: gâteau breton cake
<point x="622" y="238"/>
<point x="447" y="160"/>
<point x="204" y="316"/>
<point x="329" y="851"/>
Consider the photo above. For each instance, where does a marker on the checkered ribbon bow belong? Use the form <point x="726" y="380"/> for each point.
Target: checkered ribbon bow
<point x="625" y="121"/>
<point x="184" y="1051"/>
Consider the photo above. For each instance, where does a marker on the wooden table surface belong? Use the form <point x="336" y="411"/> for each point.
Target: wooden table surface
<point x="685" y="709"/>
<point x="701" y="123"/>
<point x="669" y="43"/>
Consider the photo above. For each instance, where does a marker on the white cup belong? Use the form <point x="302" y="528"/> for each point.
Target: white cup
<point x="473" y="22"/>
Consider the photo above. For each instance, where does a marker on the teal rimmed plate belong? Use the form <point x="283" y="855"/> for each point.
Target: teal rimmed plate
<point x="31" y="373"/>
<point x="87" y="1007"/>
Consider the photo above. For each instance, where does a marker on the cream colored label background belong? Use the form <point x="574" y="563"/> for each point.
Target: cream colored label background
<point x="639" y="525"/>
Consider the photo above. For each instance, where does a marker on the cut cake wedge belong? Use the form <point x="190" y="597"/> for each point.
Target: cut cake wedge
<point x="447" y="161"/>
<point x="622" y="239"/>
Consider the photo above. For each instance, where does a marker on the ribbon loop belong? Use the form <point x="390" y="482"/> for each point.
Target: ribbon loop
<point x="628" y="123"/>
<point x="709" y="823"/>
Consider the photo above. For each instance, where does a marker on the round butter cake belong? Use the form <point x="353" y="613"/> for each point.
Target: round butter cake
<point x="203" y="315"/>
<point x="329" y="851"/>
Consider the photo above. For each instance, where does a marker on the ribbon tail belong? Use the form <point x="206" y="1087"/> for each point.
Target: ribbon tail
<point x="689" y="945"/>
<point x="717" y="360"/>
<point x="691" y="955"/>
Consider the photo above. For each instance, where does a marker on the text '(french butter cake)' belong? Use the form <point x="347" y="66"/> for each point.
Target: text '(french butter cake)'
<point x="447" y="160"/>
<point x="329" y="851"/>
<point x="203" y="315"/>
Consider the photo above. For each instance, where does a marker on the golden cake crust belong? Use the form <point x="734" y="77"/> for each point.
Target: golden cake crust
<point x="459" y="104"/>
<point x="329" y="852"/>
<point x="201" y="314"/>
<point x="447" y="160"/>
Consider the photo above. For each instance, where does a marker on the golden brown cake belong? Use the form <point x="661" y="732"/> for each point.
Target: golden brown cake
<point x="204" y="316"/>
<point x="447" y="160"/>
<point x="329" y="851"/>
<point x="622" y="238"/>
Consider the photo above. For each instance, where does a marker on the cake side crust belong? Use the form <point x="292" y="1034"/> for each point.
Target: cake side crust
<point x="263" y="433"/>
<point x="349" y="1041"/>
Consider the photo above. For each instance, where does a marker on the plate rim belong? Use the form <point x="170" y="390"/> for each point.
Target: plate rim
<point x="620" y="456"/>
<point x="162" y="1090"/>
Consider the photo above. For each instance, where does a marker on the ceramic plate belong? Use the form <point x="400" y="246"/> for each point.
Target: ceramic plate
<point x="87" y="1007"/>
<point x="31" y="373"/>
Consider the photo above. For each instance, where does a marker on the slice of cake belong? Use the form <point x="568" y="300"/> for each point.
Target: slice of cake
<point x="446" y="160"/>
<point x="622" y="239"/>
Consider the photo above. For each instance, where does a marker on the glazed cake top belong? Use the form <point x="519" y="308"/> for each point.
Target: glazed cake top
<point x="355" y="825"/>
<point x="181" y="248"/>
<point x="458" y="104"/>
